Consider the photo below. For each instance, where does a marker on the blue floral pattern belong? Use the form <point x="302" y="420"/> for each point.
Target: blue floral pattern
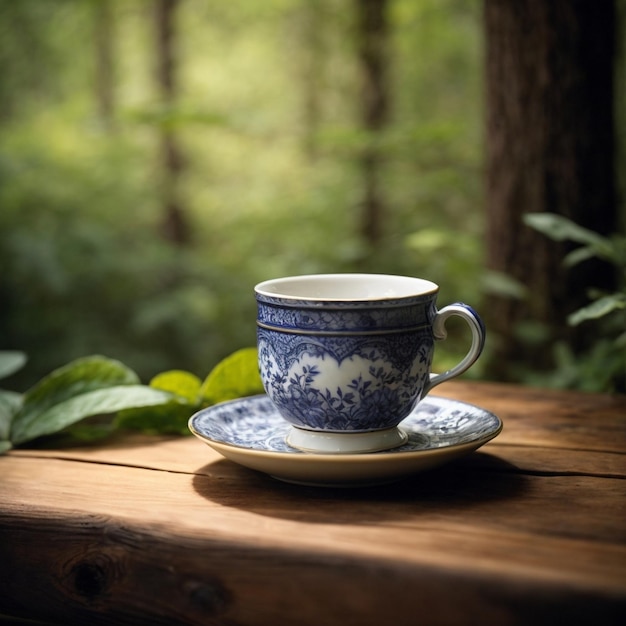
<point x="255" y="424"/>
<point x="345" y="366"/>
<point x="353" y="316"/>
<point x="348" y="383"/>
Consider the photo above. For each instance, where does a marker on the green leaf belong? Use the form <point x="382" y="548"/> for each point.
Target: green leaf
<point x="579" y="255"/>
<point x="183" y="384"/>
<point x="170" y="418"/>
<point x="11" y="361"/>
<point x="236" y="376"/>
<point x="429" y="240"/>
<point x="165" y="419"/>
<point x="5" y="446"/>
<point x="10" y="404"/>
<point x="601" y="307"/>
<point x="85" y="431"/>
<point x="560" y="228"/>
<point x="169" y="117"/>
<point x="501" y="284"/>
<point x="76" y="378"/>
<point x="97" y="402"/>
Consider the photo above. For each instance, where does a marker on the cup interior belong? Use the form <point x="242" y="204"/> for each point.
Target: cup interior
<point x="346" y="287"/>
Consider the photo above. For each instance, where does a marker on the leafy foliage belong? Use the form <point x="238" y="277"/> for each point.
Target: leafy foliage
<point x="10" y="362"/>
<point x="269" y="190"/>
<point x="97" y="386"/>
<point x="603" y="367"/>
<point x="234" y="377"/>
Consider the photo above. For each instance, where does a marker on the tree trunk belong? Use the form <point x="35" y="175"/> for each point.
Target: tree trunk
<point x="175" y="225"/>
<point x="373" y="44"/>
<point x="310" y="32"/>
<point x="105" y="83"/>
<point x="550" y="148"/>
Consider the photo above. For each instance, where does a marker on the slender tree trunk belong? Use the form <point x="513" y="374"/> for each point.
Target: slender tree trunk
<point x="105" y="78"/>
<point x="373" y="44"/>
<point x="550" y="148"/>
<point x="175" y="225"/>
<point x="311" y="33"/>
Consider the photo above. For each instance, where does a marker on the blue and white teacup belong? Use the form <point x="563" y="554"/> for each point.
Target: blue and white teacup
<point x="346" y="357"/>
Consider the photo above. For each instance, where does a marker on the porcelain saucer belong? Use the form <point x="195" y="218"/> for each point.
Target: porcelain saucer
<point x="251" y="432"/>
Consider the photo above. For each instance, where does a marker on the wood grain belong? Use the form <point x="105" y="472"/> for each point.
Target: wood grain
<point x="165" y="531"/>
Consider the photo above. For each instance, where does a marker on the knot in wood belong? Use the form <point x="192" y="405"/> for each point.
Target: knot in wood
<point x="209" y="597"/>
<point x="91" y="576"/>
<point x="89" y="579"/>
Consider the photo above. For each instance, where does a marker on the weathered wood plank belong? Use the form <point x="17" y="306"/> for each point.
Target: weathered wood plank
<point x="548" y="417"/>
<point x="475" y="512"/>
<point x="117" y="574"/>
<point x="99" y="571"/>
<point x="540" y="426"/>
<point x="528" y="530"/>
<point x="532" y="417"/>
<point x="189" y="455"/>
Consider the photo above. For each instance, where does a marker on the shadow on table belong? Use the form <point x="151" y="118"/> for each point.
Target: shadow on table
<point x="477" y="481"/>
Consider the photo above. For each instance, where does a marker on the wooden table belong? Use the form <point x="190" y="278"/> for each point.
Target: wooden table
<point x="531" y="529"/>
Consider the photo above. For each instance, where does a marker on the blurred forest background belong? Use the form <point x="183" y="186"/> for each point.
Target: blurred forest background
<point x="159" y="157"/>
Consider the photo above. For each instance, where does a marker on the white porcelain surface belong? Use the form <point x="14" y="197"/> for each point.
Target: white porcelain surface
<point x="345" y="443"/>
<point x="352" y="353"/>
<point x="251" y="432"/>
<point x="346" y="287"/>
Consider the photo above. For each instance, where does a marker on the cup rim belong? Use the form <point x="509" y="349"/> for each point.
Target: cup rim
<point x="381" y="287"/>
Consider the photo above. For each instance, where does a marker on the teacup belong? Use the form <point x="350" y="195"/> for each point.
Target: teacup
<point x="346" y="357"/>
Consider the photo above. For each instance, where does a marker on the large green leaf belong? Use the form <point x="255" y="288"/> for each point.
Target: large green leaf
<point x="10" y="362"/>
<point x="501" y="284"/>
<point x="236" y="376"/>
<point x="90" y="403"/>
<point x="598" y="308"/>
<point x="78" y="377"/>
<point x="166" y="419"/>
<point x="584" y="253"/>
<point x="560" y="228"/>
<point x="10" y="404"/>
<point x="183" y="384"/>
<point x="169" y="418"/>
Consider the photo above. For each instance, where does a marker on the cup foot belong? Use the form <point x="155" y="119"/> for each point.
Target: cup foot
<point x="345" y="443"/>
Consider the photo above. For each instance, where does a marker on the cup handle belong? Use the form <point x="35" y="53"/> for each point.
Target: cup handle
<point x="478" y="340"/>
